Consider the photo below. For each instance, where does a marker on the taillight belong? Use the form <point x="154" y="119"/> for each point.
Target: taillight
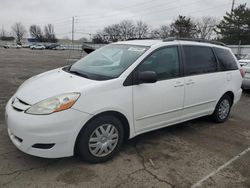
<point x="242" y="72"/>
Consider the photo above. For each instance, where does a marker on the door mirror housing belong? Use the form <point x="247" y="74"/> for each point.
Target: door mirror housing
<point x="147" y="77"/>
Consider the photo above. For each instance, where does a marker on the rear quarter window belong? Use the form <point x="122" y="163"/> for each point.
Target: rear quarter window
<point x="199" y="60"/>
<point x="226" y="59"/>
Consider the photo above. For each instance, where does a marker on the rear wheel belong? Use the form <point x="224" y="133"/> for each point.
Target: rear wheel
<point x="222" y="109"/>
<point x="100" y="139"/>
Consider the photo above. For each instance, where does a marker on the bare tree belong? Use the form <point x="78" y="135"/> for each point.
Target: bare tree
<point x="112" y="32"/>
<point x="162" y="32"/>
<point x="127" y="29"/>
<point x="141" y="29"/>
<point x="123" y="31"/>
<point x="19" y="32"/>
<point x="100" y="38"/>
<point x="36" y="32"/>
<point x="206" y="27"/>
<point x="49" y="33"/>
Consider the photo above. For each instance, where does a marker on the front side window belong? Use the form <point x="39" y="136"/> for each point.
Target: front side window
<point x="164" y="62"/>
<point x="199" y="60"/>
<point x="226" y="59"/>
<point x="107" y="62"/>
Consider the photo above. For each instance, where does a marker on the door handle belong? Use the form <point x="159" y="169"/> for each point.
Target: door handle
<point x="190" y="82"/>
<point x="178" y="84"/>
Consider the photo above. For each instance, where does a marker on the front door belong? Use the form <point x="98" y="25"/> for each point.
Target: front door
<point x="158" y="104"/>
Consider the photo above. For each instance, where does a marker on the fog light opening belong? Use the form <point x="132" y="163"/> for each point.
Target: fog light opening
<point x="43" y="146"/>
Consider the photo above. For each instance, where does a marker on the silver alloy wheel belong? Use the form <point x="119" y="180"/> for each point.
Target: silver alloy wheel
<point x="224" y="109"/>
<point x="103" y="140"/>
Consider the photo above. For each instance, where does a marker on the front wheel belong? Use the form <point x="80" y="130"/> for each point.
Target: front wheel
<point x="100" y="139"/>
<point x="222" y="109"/>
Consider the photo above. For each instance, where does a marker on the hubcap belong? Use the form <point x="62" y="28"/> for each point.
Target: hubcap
<point x="103" y="140"/>
<point x="224" y="109"/>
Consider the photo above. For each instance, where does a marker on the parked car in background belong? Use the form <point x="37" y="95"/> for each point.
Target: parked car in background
<point x="245" y="60"/>
<point x="51" y="46"/>
<point x="245" y="64"/>
<point x="120" y="91"/>
<point x="16" y="46"/>
<point x="26" y="45"/>
<point x="59" y="47"/>
<point x="6" y="46"/>
<point x="37" y="47"/>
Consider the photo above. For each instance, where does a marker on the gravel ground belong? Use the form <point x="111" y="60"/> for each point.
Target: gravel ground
<point x="176" y="156"/>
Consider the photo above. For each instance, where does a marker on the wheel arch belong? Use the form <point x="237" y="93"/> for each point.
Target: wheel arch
<point x="116" y="114"/>
<point x="231" y="95"/>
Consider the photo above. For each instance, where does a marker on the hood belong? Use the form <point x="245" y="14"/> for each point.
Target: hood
<point x="50" y="84"/>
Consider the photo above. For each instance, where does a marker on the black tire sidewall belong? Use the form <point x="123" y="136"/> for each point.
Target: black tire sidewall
<point x="86" y="132"/>
<point x="216" y="112"/>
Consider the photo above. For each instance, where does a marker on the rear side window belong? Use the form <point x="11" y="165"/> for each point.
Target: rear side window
<point x="226" y="59"/>
<point x="199" y="60"/>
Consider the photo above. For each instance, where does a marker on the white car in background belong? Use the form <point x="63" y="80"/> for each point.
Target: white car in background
<point x="120" y="91"/>
<point x="16" y="46"/>
<point x="37" y="47"/>
<point x="245" y="64"/>
<point x="59" y="47"/>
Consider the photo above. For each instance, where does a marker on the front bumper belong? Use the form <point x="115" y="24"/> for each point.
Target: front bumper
<point x="58" y="130"/>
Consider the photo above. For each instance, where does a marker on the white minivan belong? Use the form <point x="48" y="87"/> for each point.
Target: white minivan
<point x="119" y="91"/>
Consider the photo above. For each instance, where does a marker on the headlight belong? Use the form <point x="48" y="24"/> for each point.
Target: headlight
<point x="54" y="104"/>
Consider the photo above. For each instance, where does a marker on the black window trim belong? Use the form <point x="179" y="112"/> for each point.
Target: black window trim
<point x="132" y="77"/>
<point x="185" y="74"/>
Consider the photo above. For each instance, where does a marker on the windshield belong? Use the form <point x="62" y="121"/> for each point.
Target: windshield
<point x="107" y="62"/>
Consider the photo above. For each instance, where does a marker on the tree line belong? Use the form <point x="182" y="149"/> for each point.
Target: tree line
<point x="232" y="29"/>
<point x="19" y="32"/>
<point x="182" y="27"/>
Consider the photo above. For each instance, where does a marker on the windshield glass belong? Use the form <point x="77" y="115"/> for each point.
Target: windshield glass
<point x="108" y="62"/>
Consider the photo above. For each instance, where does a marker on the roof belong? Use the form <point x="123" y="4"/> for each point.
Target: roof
<point x="182" y="42"/>
<point x="148" y="42"/>
<point x="140" y="42"/>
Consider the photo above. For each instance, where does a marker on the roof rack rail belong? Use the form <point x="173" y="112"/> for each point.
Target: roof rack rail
<point x="144" y="38"/>
<point x="194" y="40"/>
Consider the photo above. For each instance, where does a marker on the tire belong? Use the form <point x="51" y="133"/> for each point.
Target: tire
<point x="222" y="109"/>
<point x="88" y="142"/>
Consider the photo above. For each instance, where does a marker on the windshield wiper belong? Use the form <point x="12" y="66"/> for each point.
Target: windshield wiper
<point x="78" y="73"/>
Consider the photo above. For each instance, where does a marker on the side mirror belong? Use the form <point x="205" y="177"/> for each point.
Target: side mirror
<point x="147" y="77"/>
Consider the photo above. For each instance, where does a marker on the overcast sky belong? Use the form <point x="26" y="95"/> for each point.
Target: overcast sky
<point x="93" y="15"/>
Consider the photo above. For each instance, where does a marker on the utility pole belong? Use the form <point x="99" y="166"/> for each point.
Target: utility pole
<point x="232" y="6"/>
<point x="73" y="28"/>
<point x="2" y="34"/>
